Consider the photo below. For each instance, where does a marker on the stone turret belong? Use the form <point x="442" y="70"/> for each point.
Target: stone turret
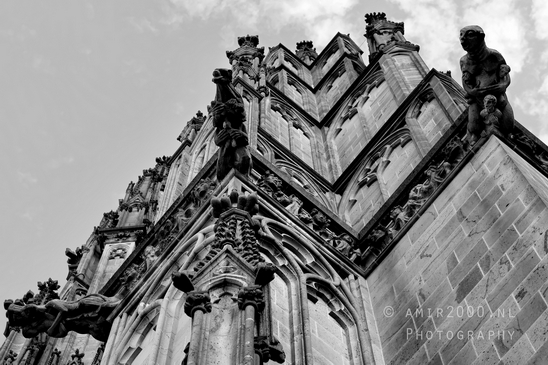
<point x="306" y="52"/>
<point x="246" y="59"/>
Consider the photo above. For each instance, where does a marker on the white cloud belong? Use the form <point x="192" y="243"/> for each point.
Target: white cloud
<point x="539" y="13"/>
<point x="134" y="66"/>
<point x="40" y="63"/>
<point x="505" y="29"/>
<point x="435" y="26"/>
<point x="319" y="19"/>
<point x="26" y="177"/>
<point x="142" y="25"/>
<point x="58" y="162"/>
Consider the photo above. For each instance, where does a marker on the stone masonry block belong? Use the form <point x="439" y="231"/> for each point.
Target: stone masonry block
<point x="499" y="248"/>
<point x="520" y="324"/>
<point x="422" y="223"/>
<point x="495" y="324"/>
<point x="430" y="231"/>
<point x="454" y="345"/>
<point x="519" y="353"/>
<point x="436" y="300"/>
<point x="482" y="210"/>
<point x="446" y="249"/>
<point x="511" y="192"/>
<point x="436" y="360"/>
<point x="487" y="357"/>
<point x="393" y="344"/>
<point x="534" y="236"/>
<point x="486" y="151"/>
<point x="456" y="186"/>
<point x="539" y="357"/>
<point x="466" y="355"/>
<point x="420" y="357"/>
<point x="506" y="219"/>
<point x="469" y="205"/>
<point x="467" y="263"/>
<point x="413" y="344"/>
<point x="393" y="258"/>
<point x="510" y="282"/>
<point x="449" y="227"/>
<point x="415" y="266"/>
<point x="477" y="231"/>
<point x="498" y="271"/>
<point x="538" y="332"/>
<point x="532" y="283"/>
<point x="468" y="283"/>
<point x="530" y="215"/>
<point x="528" y="195"/>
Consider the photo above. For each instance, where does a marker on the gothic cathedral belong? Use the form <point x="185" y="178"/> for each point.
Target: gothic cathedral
<point x="324" y="211"/>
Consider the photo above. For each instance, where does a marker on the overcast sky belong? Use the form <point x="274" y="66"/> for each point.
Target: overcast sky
<point x="91" y="92"/>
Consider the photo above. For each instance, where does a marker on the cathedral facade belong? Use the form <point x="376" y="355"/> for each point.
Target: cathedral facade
<point x="323" y="211"/>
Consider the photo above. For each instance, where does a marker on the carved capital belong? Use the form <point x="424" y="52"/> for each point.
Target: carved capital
<point x="197" y="300"/>
<point x="262" y="349"/>
<point x="251" y="295"/>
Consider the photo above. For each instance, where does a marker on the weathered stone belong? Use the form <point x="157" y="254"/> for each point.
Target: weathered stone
<point x="484" y="77"/>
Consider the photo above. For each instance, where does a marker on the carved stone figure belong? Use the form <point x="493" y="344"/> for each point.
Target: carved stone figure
<point x="295" y="204"/>
<point x="57" y="317"/>
<point x="230" y="133"/>
<point x="484" y="72"/>
<point x="490" y="114"/>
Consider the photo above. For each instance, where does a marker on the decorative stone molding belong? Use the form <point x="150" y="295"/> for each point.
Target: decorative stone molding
<point x="76" y="358"/>
<point x="9" y="358"/>
<point x="98" y="355"/>
<point x="118" y="252"/>
<point x="314" y="218"/>
<point x="398" y="216"/>
<point x="54" y="357"/>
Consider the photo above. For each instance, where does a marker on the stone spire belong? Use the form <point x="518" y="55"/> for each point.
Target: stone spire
<point x="246" y="59"/>
<point x="306" y="52"/>
<point x="381" y="34"/>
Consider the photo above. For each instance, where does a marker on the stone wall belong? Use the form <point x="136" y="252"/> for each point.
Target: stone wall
<point x="468" y="284"/>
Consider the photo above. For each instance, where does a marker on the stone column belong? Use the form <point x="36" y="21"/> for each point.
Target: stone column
<point x="251" y="301"/>
<point x="197" y="303"/>
<point x="7" y="343"/>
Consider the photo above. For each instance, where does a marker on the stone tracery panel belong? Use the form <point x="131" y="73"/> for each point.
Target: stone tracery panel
<point x="399" y="160"/>
<point x="377" y="105"/>
<point x="364" y="196"/>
